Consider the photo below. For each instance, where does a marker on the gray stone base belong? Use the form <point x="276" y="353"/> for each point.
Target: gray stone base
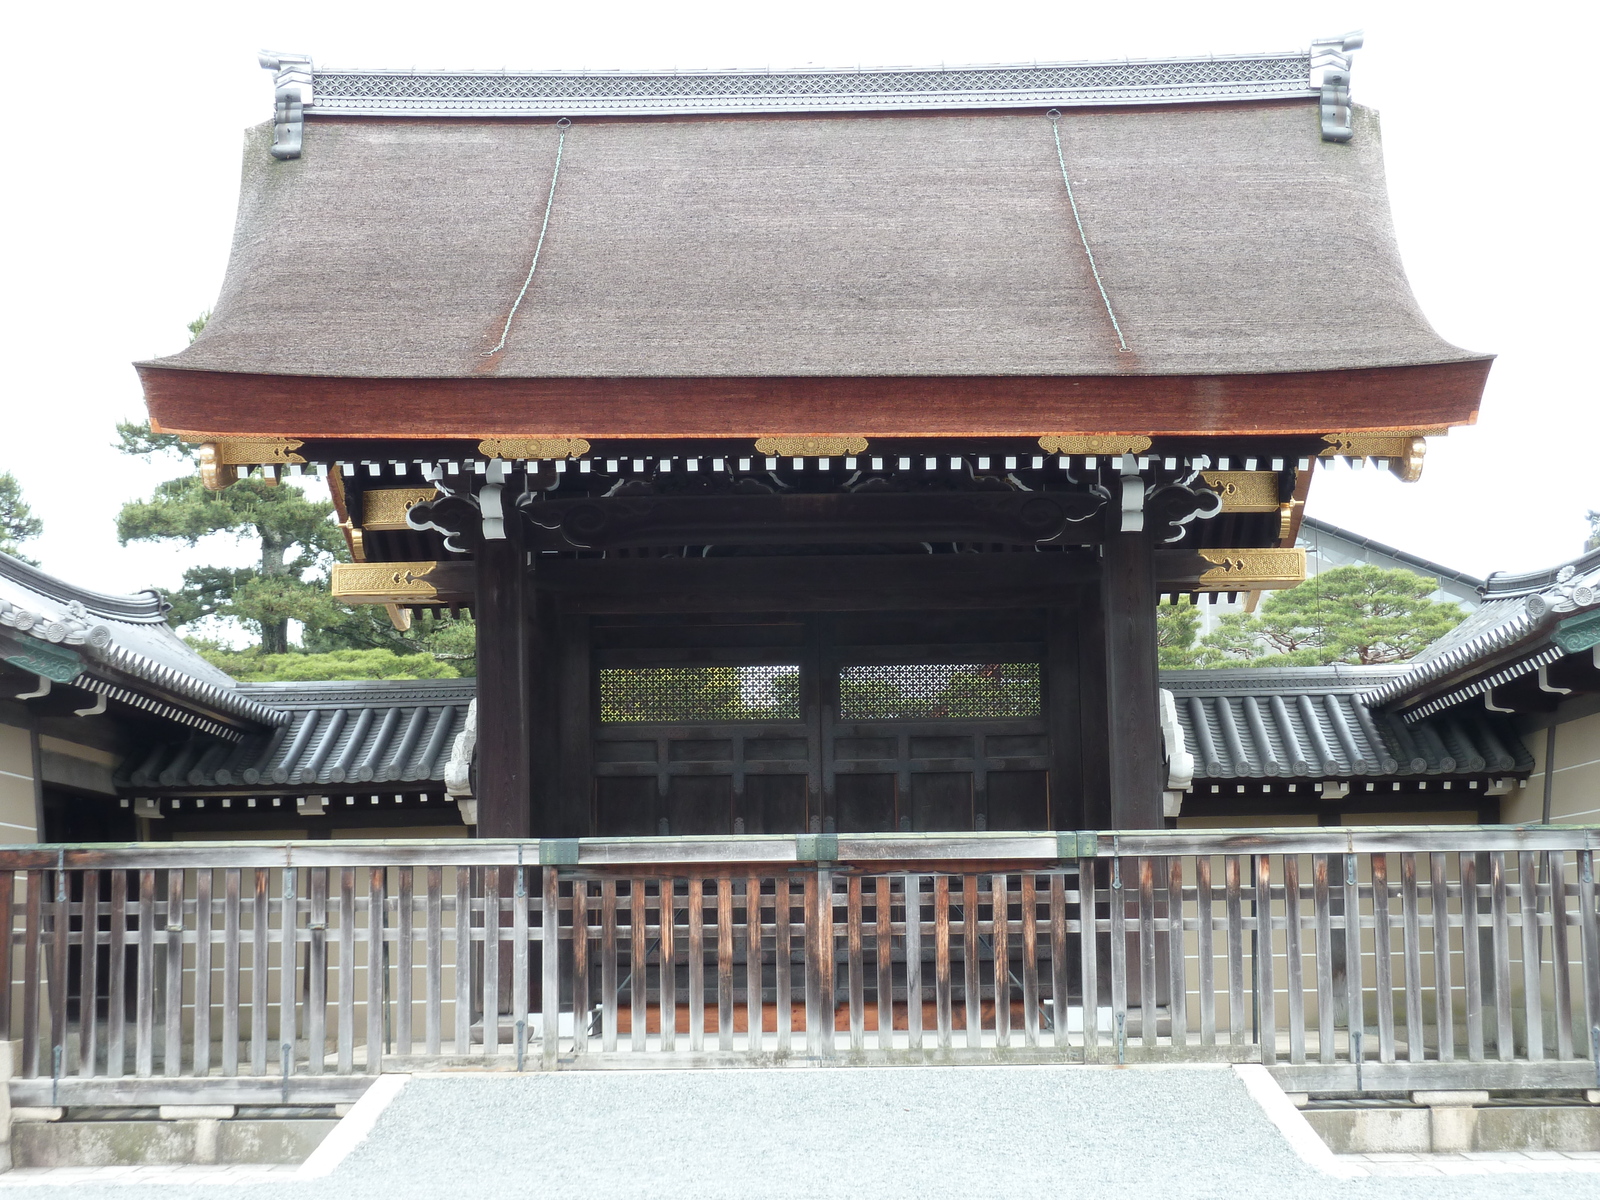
<point x="1419" y="1130"/>
<point x="156" y="1143"/>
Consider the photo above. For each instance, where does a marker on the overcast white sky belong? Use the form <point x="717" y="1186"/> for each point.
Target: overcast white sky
<point x="123" y="157"/>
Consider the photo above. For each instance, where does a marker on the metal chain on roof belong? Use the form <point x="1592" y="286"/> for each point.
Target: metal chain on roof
<point x="563" y="125"/>
<point x="1061" y="157"/>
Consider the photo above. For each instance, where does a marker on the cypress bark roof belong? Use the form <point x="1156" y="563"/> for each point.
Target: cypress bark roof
<point x="1232" y="240"/>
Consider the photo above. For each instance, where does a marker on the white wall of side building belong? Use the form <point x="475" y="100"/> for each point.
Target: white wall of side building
<point x="18" y="791"/>
<point x="1575" y="783"/>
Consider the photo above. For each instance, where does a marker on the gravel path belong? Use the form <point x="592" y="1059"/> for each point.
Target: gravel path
<point x="1065" y="1132"/>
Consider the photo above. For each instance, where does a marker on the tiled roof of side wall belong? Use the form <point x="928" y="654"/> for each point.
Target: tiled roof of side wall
<point x="127" y="634"/>
<point x="1312" y="724"/>
<point x="1517" y="615"/>
<point x="337" y="734"/>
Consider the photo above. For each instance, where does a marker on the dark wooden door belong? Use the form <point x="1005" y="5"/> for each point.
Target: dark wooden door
<point x="824" y="723"/>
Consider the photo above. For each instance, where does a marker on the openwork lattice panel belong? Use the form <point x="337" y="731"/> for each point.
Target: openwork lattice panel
<point x="349" y="91"/>
<point x="920" y="691"/>
<point x="690" y="694"/>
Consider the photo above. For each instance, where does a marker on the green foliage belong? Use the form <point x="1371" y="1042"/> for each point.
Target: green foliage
<point x="295" y="535"/>
<point x="367" y="626"/>
<point x="17" y="522"/>
<point x="253" y="666"/>
<point x="199" y="323"/>
<point x="1176" y="626"/>
<point x="138" y="439"/>
<point x="297" y="543"/>
<point x="1350" y="614"/>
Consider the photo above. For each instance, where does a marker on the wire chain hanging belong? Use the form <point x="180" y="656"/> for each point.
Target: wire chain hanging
<point x="563" y="125"/>
<point x="1061" y="157"/>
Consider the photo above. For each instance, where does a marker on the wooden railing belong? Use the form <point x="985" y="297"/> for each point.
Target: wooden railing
<point x="1344" y="958"/>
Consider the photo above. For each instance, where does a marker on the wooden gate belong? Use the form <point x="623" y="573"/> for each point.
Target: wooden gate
<point x="824" y="724"/>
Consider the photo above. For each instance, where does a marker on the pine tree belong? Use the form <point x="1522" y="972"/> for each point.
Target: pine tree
<point x="1358" y="614"/>
<point x="1176" y="625"/>
<point x="296" y="542"/>
<point x="17" y="522"/>
<point x="295" y="537"/>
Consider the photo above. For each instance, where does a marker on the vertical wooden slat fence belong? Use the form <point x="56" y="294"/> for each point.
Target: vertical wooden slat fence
<point x="1341" y="958"/>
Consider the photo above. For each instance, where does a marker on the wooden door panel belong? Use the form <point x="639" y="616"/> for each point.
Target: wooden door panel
<point x="865" y="803"/>
<point x="625" y="806"/>
<point x="700" y="804"/>
<point x="941" y="802"/>
<point x="1019" y="800"/>
<point x="774" y="804"/>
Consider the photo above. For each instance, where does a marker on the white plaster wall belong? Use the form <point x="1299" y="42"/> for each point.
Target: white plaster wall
<point x="1575" y="797"/>
<point x="17" y="813"/>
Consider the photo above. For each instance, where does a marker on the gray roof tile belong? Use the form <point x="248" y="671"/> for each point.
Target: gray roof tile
<point x="340" y="733"/>
<point x="1313" y="723"/>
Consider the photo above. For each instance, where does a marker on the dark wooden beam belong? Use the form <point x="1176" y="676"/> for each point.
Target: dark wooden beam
<point x="820" y="583"/>
<point x="505" y="767"/>
<point x="796" y="582"/>
<point x="1133" y="744"/>
<point x="1001" y="516"/>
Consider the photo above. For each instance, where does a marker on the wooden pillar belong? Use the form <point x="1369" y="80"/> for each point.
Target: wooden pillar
<point x="572" y="769"/>
<point x="504" y="760"/>
<point x="1133" y="743"/>
<point x="1064" y="670"/>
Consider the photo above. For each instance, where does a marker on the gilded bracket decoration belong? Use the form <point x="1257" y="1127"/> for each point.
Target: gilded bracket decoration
<point x="1286" y="515"/>
<point x="220" y="460"/>
<point x="1245" y="491"/>
<point x="386" y="508"/>
<point x="516" y="449"/>
<point x="811" y="447"/>
<point x="1403" y="448"/>
<point x="1252" y="569"/>
<point x="1093" y="443"/>
<point x="384" y="583"/>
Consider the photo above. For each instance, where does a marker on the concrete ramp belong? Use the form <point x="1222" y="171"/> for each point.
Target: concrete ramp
<point x="850" y="1132"/>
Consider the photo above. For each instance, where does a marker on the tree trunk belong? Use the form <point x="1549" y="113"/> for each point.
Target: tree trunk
<point x="274" y="634"/>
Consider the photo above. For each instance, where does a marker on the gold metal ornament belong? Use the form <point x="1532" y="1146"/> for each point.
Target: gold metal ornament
<point x="384" y="583"/>
<point x="1094" y="443"/>
<point x="386" y="508"/>
<point x="221" y="459"/>
<point x="1253" y="569"/>
<point x="520" y="448"/>
<point x="1245" y="491"/>
<point x="1403" y="448"/>
<point x="826" y="446"/>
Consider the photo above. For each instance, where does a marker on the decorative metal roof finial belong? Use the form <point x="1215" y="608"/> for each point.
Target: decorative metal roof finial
<point x="1332" y="57"/>
<point x="292" y="84"/>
